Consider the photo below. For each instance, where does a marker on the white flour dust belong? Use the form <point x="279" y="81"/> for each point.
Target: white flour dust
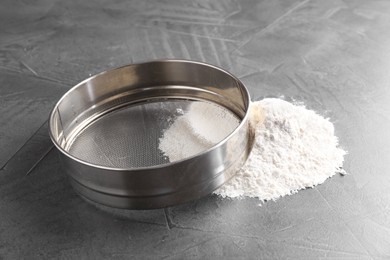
<point x="294" y="148"/>
<point x="197" y="130"/>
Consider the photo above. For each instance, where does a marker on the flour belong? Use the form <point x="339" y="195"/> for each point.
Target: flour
<point x="197" y="130"/>
<point x="294" y="147"/>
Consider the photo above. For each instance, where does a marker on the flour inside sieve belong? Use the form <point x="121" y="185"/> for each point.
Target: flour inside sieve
<point x="200" y="127"/>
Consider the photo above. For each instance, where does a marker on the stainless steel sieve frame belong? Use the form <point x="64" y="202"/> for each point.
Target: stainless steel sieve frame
<point x="162" y="185"/>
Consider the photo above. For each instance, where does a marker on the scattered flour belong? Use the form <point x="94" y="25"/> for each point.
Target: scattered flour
<point x="294" y="148"/>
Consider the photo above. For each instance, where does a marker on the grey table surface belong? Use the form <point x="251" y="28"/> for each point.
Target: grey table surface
<point x="332" y="55"/>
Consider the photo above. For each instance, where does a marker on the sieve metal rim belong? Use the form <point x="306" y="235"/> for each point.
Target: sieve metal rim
<point x="243" y="89"/>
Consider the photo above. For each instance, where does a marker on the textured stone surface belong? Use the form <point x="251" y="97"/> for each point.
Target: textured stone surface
<point x="332" y="55"/>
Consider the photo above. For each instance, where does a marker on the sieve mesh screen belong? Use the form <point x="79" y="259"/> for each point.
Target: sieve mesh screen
<point x="129" y="137"/>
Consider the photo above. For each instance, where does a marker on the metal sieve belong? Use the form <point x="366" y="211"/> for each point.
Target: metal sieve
<point x="108" y="129"/>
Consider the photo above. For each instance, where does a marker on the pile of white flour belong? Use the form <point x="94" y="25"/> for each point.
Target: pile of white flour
<point x="294" y="148"/>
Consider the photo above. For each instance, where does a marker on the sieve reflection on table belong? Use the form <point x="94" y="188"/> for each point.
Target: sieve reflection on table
<point x="109" y="127"/>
